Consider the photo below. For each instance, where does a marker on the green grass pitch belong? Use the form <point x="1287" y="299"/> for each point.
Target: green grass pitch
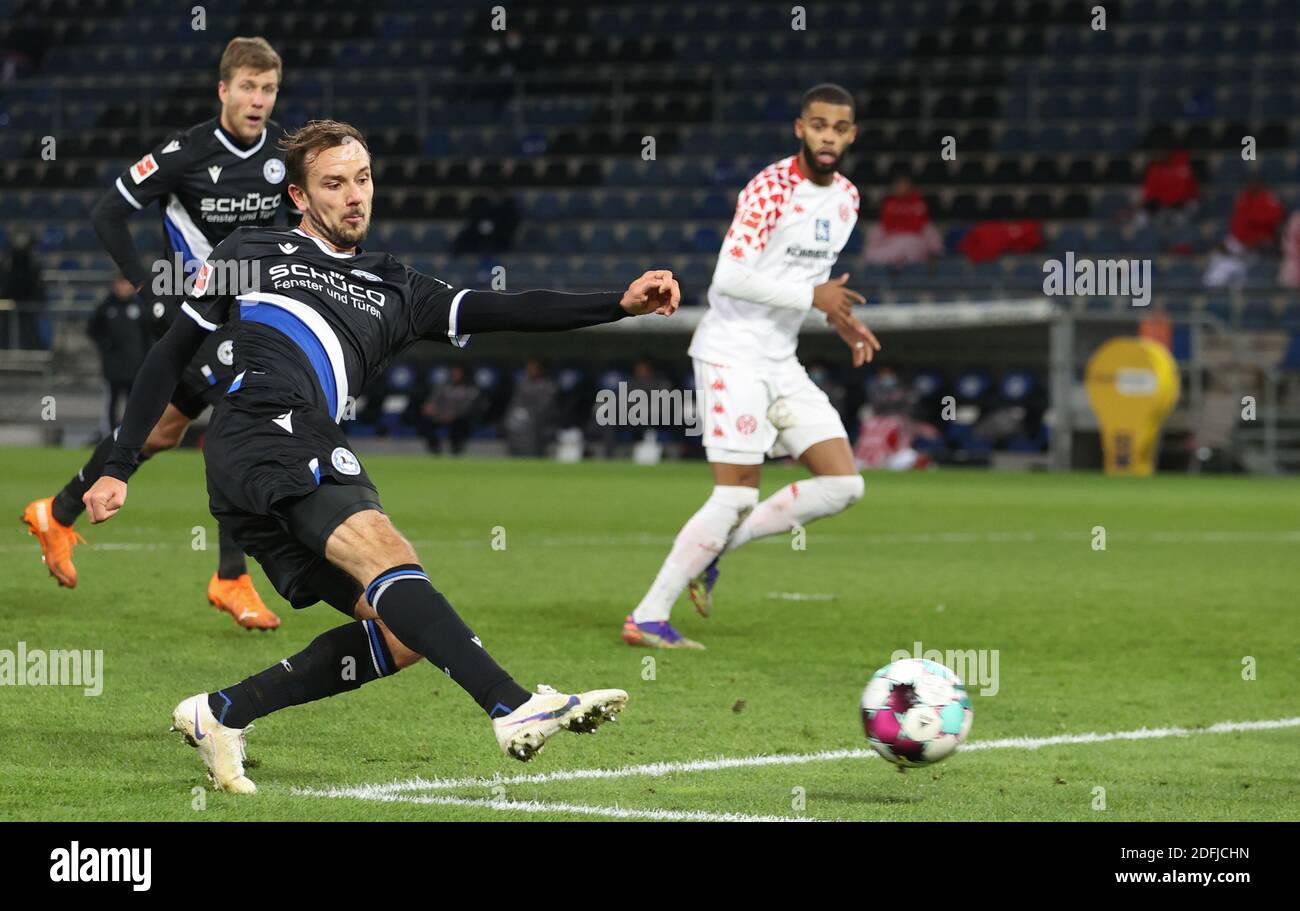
<point x="1197" y="585"/>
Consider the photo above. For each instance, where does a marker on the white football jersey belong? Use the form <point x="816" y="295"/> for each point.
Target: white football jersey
<point x="786" y="228"/>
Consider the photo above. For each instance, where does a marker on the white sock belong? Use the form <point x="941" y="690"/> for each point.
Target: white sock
<point x="799" y="504"/>
<point x="702" y="538"/>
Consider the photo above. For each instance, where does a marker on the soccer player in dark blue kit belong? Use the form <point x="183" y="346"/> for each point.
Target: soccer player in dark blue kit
<point x="208" y="180"/>
<point x="322" y="317"/>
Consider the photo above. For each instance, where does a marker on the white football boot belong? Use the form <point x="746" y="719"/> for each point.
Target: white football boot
<point x="222" y="748"/>
<point x="524" y="731"/>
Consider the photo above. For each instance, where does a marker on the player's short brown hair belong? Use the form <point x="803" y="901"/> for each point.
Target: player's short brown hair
<point x="305" y="143"/>
<point x="254" y="53"/>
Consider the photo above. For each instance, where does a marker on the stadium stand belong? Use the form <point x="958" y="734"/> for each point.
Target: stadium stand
<point x="1052" y="122"/>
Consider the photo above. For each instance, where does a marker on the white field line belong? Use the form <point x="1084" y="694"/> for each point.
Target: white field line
<point x="183" y="541"/>
<point x="656" y="769"/>
<point x="614" y="812"/>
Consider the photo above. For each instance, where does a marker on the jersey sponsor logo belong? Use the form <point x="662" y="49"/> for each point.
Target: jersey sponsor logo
<point x="344" y="461"/>
<point x="226" y="352"/>
<point x="143" y="168"/>
<point x="806" y="253"/>
<point x="286" y="249"/>
<point x="173" y="146"/>
<point x="746" y="424"/>
<point x="335" y="284"/>
<point x="250" y="202"/>
<point x="822" y="229"/>
<point x="214" y="172"/>
<point x="368" y="276"/>
<point x="273" y="170"/>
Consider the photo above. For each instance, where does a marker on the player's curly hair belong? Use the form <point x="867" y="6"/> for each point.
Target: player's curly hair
<point x="302" y="145"/>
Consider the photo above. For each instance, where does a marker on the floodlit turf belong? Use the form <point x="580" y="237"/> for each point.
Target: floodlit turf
<point x="1197" y="575"/>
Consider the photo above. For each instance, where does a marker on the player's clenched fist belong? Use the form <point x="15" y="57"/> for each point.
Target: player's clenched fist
<point x="654" y="292"/>
<point x="104" y="498"/>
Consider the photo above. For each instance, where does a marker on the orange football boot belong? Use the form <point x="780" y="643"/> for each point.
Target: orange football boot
<point x="57" y="541"/>
<point x="238" y="598"/>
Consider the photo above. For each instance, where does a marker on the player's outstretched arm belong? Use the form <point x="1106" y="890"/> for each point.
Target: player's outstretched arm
<point x="150" y="393"/>
<point x="552" y="311"/>
<point x="735" y="279"/>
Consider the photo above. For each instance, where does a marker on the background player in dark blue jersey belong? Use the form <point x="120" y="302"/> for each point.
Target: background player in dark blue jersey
<point x="207" y="180"/>
<point x="326" y="316"/>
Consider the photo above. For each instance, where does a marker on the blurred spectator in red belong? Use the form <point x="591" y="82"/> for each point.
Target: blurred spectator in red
<point x="904" y="234"/>
<point x="988" y="240"/>
<point x="1289" y="275"/>
<point x="1256" y="217"/>
<point x="887" y="429"/>
<point x="1169" y="185"/>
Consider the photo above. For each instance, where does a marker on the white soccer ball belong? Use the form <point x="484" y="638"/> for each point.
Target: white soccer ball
<point x="915" y="712"/>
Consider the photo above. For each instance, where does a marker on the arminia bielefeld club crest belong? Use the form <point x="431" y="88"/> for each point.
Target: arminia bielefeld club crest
<point x="344" y="461"/>
<point x="273" y="170"/>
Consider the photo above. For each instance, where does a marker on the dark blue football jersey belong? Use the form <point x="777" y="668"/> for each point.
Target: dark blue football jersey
<point x="316" y="323"/>
<point x="206" y="186"/>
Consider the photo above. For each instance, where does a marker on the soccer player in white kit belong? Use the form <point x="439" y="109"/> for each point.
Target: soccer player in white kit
<point x="791" y="222"/>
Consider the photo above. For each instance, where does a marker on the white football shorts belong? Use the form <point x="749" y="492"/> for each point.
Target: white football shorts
<point x="751" y="413"/>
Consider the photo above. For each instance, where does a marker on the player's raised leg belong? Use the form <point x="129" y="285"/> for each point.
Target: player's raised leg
<point x="57" y="538"/>
<point x="51" y="519"/>
<point x="697" y="546"/>
<point x="337" y="661"/>
<point x="835" y="486"/>
<point x="808" y="427"/>
<point x="351" y="655"/>
<point x="231" y="587"/>
<point x="367" y="546"/>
